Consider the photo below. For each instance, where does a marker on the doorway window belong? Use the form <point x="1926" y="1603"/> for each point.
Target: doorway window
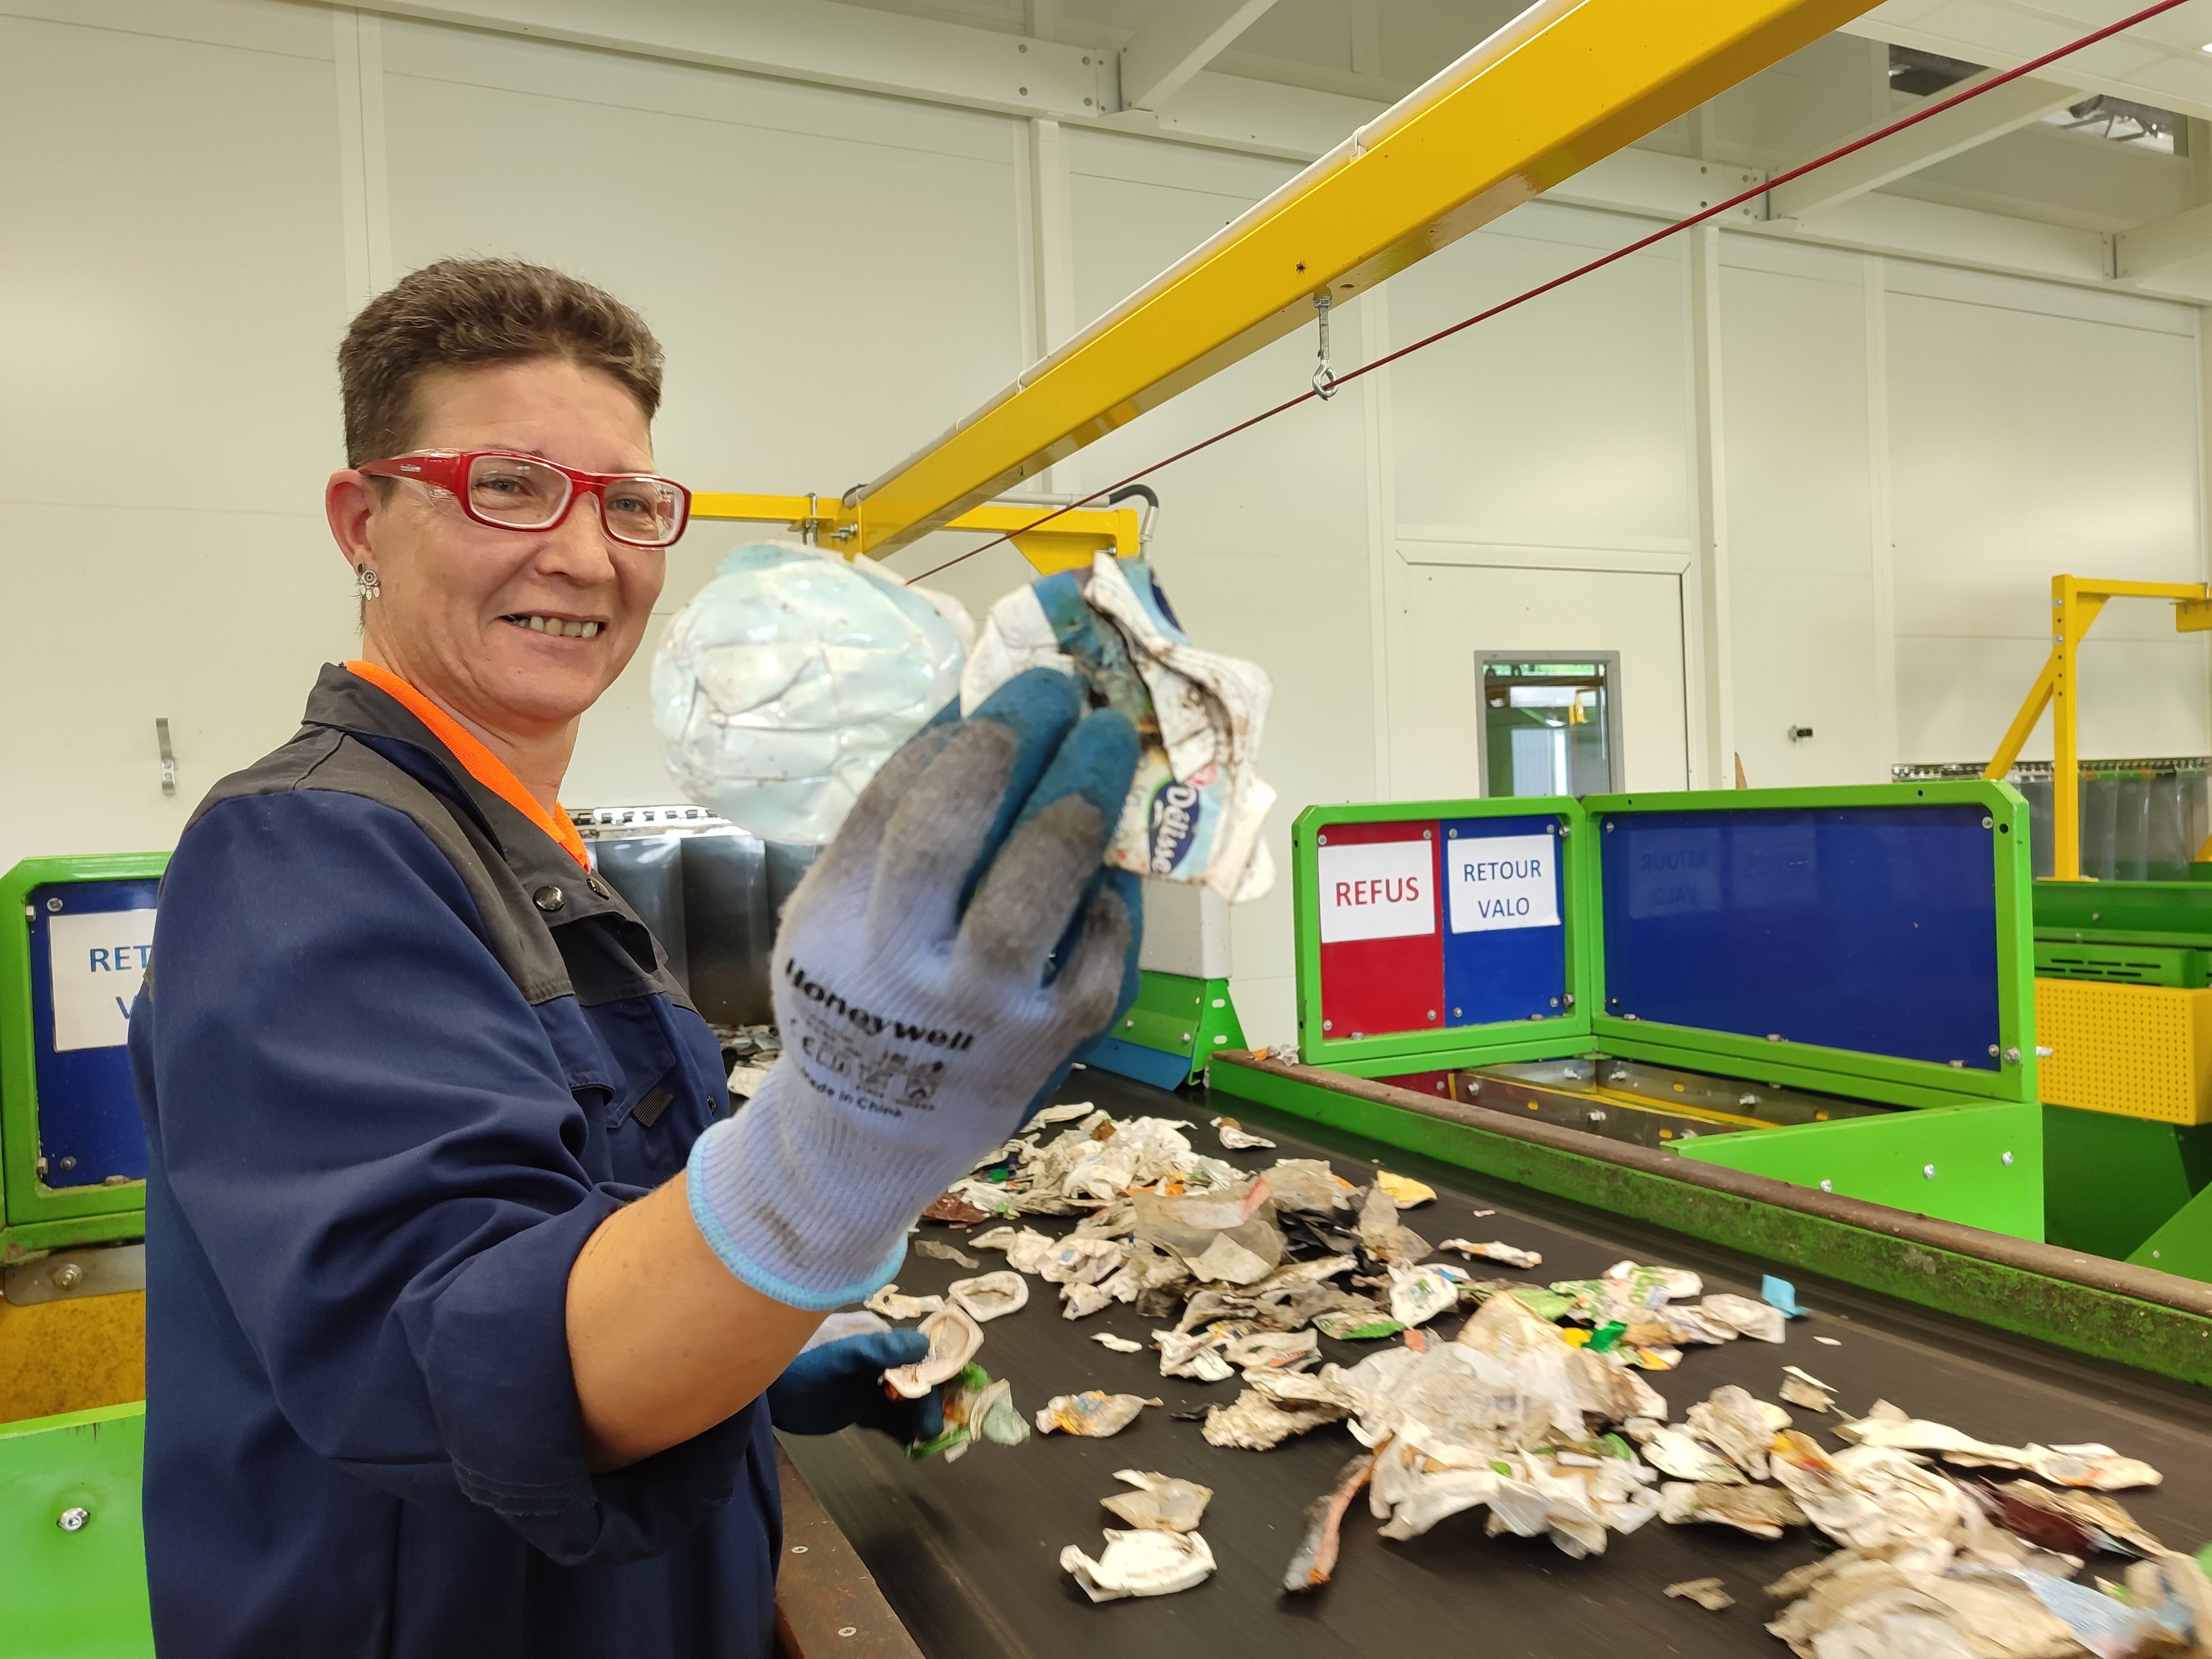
<point x="1549" y="724"/>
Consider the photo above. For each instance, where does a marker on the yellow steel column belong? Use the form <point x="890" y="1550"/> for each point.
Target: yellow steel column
<point x="1564" y="84"/>
<point x="2074" y="607"/>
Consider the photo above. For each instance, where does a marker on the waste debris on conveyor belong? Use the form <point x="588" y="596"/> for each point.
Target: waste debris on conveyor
<point x="1534" y="1410"/>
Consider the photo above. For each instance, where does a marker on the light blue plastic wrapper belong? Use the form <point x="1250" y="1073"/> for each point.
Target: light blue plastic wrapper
<point x="791" y="678"/>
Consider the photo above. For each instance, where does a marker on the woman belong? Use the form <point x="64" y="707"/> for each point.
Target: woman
<point x="464" y="1290"/>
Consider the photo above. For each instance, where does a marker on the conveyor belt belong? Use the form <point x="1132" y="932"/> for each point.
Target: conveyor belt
<point x="968" y="1554"/>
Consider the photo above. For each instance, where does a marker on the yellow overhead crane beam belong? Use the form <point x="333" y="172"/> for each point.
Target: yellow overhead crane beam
<point x="1066" y="544"/>
<point x="1564" y="84"/>
<point x="2075" y="605"/>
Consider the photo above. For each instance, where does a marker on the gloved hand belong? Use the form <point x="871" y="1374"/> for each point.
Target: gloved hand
<point x="941" y="964"/>
<point x="840" y="1383"/>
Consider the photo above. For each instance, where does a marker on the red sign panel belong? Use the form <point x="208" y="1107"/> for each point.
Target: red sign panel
<point x="1377" y="904"/>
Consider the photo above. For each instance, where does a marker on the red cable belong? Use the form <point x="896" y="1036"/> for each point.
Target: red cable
<point x="1925" y="112"/>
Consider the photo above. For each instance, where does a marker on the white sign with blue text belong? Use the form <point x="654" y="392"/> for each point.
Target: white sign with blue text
<point x="1502" y="881"/>
<point x="98" y="959"/>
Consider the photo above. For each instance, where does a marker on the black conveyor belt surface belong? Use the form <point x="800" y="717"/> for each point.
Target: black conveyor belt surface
<point x="968" y="1554"/>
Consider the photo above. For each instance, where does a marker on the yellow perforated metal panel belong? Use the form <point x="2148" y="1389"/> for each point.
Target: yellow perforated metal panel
<point x="72" y="1355"/>
<point x="2138" y="1050"/>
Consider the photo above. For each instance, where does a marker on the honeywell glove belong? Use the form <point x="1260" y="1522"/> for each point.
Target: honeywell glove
<point x="935" y="974"/>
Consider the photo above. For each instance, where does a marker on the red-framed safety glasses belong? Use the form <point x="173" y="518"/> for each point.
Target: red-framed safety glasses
<point x="508" y="491"/>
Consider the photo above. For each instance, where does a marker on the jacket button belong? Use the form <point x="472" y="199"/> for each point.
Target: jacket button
<point x="548" y="898"/>
<point x="599" y="887"/>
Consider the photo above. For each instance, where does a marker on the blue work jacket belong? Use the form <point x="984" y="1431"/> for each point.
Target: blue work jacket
<point x="398" y="1056"/>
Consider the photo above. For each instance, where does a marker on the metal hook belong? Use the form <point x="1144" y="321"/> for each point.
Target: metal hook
<point x="1324" y="378"/>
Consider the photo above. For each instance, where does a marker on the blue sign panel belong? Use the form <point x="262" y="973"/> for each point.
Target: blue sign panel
<point x="1868" y="928"/>
<point x="90" y="943"/>
<point x="1505" y="908"/>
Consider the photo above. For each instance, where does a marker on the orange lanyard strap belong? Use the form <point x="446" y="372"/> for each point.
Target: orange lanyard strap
<point x="486" y="767"/>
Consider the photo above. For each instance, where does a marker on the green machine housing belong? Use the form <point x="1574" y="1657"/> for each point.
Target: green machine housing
<point x="2123" y="1009"/>
<point x="1833" y="988"/>
<point x="75" y="938"/>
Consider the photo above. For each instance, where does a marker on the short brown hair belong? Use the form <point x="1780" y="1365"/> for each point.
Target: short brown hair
<point x="459" y="312"/>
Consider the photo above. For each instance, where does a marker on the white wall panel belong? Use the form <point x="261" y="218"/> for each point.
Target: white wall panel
<point x="1561" y="422"/>
<point x="1800" y="517"/>
<point x="2025" y="443"/>
<point x="171" y="288"/>
<point x="2140" y="698"/>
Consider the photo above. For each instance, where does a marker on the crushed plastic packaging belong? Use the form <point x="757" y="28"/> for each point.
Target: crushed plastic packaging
<point x="792" y="677"/>
<point x="1092" y="1415"/>
<point x="1225" y="1235"/>
<point x="1118" y="1344"/>
<point x="1079" y="1260"/>
<point x="1272" y="1350"/>
<point x="1511" y="1256"/>
<point x="1867" y="1496"/>
<point x="1762" y="1321"/>
<point x="989" y="1296"/>
<point x="953" y="1340"/>
<point x="1405" y="1192"/>
<point x="2098" y="1469"/>
<point x="1967" y="1607"/>
<point x="1267" y="1413"/>
<point x="1800" y="1387"/>
<point x="1238" y="1139"/>
<point x="1161" y="1503"/>
<point x="1678" y="1452"/>
<point x="1707" y="1593"/>
<point x="1380" y="1231"/>
<point x="975" y="1408"/>
<point x="1197" y="807"/>
<point x="1762" y="1511"/>
<point x="892" y="1304"/>
<point x="1081" y="1300"/>
<point x="1780" y="1293"/>
<point x="1732" y="1420"/>
<point x="942" y="1252"/>
<point x="1140" y="1562"/>
<point x="1420" y="1294"/>
<point x="1069" y="1112"/>
<point x="747" y="1080"/>
<point x="1308" y="1185"/>
<point x="1350" y="1325"/>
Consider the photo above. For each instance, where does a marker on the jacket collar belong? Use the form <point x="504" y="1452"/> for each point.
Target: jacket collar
<point x="342" y="702"/>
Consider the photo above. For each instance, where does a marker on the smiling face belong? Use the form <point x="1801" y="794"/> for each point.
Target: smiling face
<point x="516" y="632"/>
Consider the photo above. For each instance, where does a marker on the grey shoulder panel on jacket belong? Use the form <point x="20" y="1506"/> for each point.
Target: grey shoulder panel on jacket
<point x="319" y="757"/>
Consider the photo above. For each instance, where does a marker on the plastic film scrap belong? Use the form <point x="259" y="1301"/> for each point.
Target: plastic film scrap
<point x="1161" y="1503"/>
<point x="1092" y="1415"/>
<point x="1140" y="1562"/>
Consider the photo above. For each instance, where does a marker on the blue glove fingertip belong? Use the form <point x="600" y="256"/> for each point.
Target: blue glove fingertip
<point x="1097" y="762"/>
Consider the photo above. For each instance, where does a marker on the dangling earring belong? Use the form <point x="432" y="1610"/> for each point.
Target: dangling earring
<point x="364" y="582"/>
